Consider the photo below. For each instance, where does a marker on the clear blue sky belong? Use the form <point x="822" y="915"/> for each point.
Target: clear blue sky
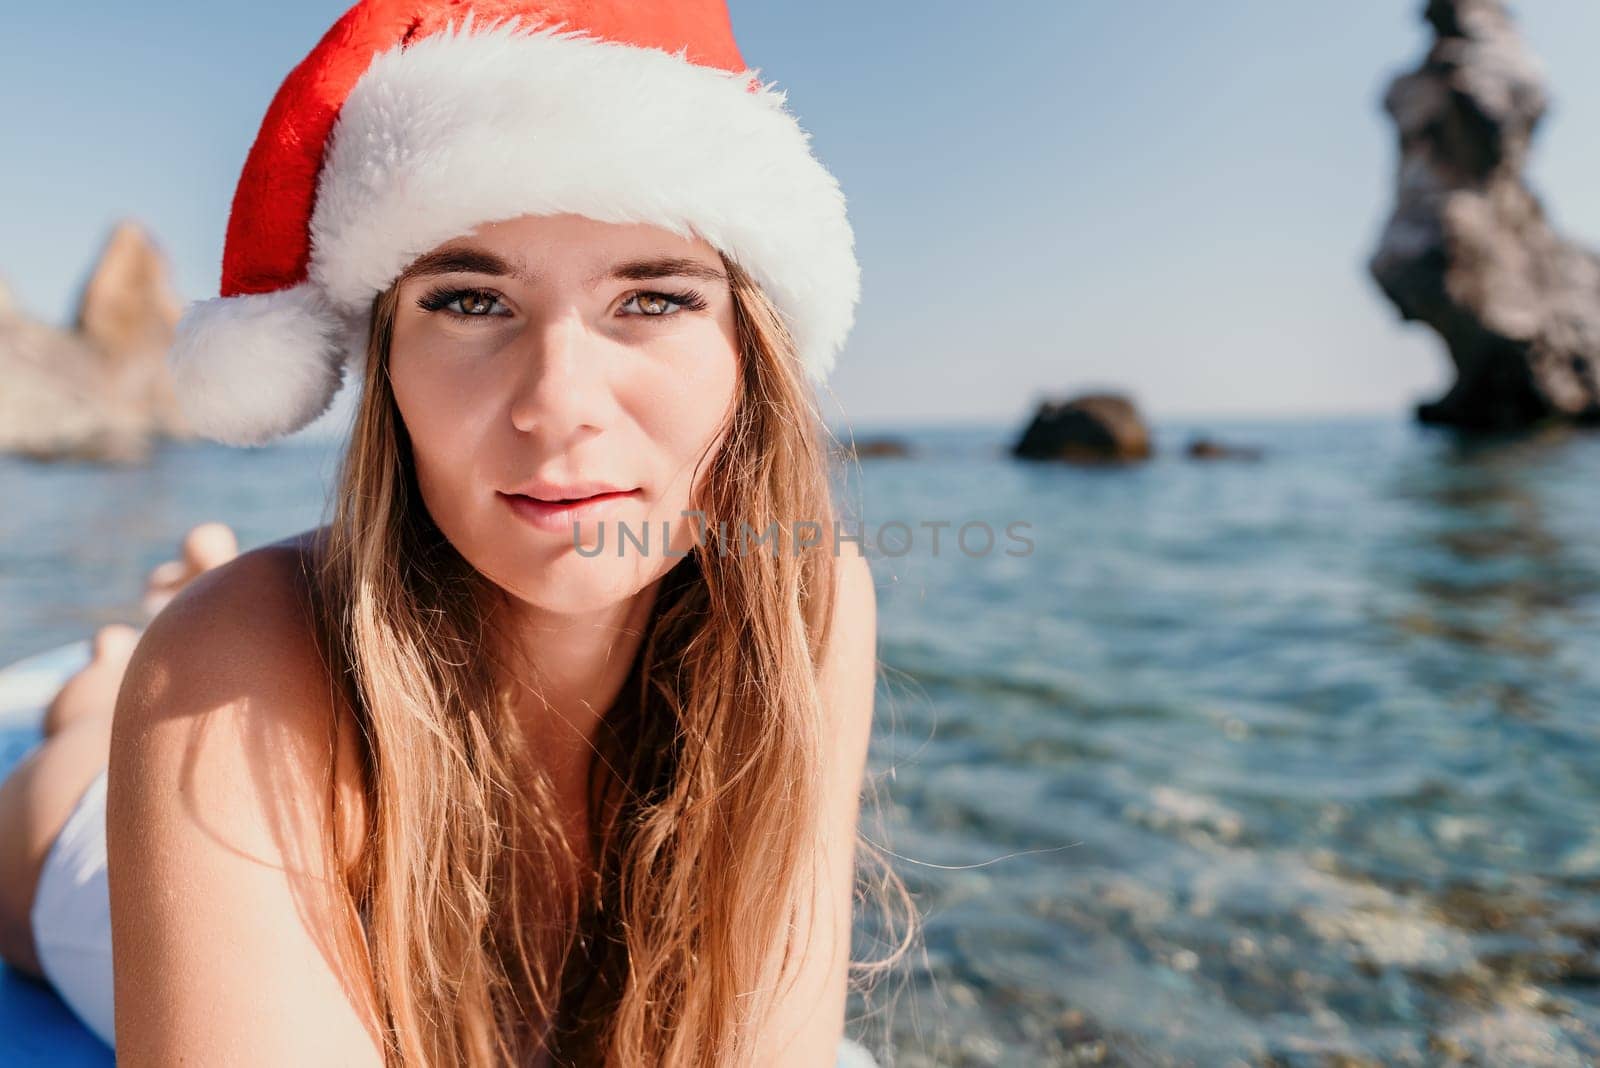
<point x="1169" y="197"/>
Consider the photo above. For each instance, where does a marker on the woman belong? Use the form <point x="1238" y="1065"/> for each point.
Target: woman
<point x="530" y="754"/>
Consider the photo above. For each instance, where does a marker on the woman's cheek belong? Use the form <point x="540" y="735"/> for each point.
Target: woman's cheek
<point x="437" y="398"/>
<point x="685" y="413"/>
<point x="694" y="386"/>
<point x="438" y="389"/>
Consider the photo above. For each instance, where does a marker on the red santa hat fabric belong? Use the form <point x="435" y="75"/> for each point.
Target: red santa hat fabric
<point x="412" y="122"/>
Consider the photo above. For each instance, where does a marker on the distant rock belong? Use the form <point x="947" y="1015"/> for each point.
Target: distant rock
<point x="1203" y="448"/>
<point x="879" y="448"/>
<point x="1468" y="249"/>
<point x="1093" y="427"/>
<point x="99" y="391"/>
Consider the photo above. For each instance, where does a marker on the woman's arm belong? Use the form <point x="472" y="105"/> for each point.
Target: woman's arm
<point x="807" y="1023"/>
<point x="225" y="901"/>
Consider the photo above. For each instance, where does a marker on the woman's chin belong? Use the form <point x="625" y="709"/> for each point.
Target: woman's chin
<point x="575" y="585"/>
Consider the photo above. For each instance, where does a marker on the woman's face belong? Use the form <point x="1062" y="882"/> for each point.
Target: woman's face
<point x="553" y="357"/>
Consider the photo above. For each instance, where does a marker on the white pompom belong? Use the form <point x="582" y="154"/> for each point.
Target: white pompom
<point x="251" y="368"/>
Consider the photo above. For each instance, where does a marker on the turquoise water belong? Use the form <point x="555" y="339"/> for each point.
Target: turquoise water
<point x="1288" y="762"/>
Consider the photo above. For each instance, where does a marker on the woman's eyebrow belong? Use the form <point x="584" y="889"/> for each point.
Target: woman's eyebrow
<point x="667" y="267"/>
<point x="482" y="261"/>
<point x="468" y="260"/>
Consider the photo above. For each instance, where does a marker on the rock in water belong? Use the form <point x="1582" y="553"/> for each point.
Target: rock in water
<point x="1091" y="427"/>
<point x="1204" y="448"/>
<point x="878" y="448"/>
<point x="128" y="306"/>
<point x="100" y="391"/>
<point x="1468" y="249"/>
<point x="129" y="312"/>
<point x="57" y="403"/>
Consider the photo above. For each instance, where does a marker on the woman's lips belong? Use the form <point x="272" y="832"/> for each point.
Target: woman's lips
<point x="557" y="517"/>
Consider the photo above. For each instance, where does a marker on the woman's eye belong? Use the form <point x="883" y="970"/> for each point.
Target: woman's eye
<point x="475" y="303"/>
<point x="659" y="305"/>
<point x="486" y="303"/>
<point x="464" y="303"/>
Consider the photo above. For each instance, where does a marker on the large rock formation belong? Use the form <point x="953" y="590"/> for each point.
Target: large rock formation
<point x="100" y="390"/>
<point x="1468" y="249"/>
<point x="1093" y="427"/>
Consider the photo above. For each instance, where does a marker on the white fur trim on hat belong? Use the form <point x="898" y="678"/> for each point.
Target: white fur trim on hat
<point x="465" y="127"/>
<point x="251" y="368"/>
<point x="471" y="125"/>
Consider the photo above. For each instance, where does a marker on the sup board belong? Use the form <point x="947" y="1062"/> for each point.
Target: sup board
<point x="36" y="1027"/>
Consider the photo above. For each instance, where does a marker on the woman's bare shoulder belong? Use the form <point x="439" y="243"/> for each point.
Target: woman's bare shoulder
<point x="238" y="647"/>
<point x="246" y="625"/>
<point x="228" y="911"/>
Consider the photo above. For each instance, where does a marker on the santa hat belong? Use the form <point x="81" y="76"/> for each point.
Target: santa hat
<point x="415" y="121"/>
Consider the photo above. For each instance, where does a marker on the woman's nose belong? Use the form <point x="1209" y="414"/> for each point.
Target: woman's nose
<point x="558" y="387"/>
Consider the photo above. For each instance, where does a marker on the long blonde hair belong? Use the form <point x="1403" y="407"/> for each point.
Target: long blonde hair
<point x="703" y="791"/>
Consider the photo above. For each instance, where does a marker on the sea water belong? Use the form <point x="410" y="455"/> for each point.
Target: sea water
<point x="1289" y="761"/>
